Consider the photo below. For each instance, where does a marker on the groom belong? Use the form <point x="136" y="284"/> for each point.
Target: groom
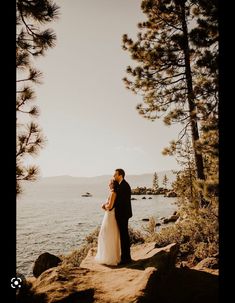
<point x="123" y="212"/>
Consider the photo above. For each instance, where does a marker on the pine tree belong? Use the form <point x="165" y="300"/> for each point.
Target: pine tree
<point x="205" y="38"/>
<point x="168" y="66"/>
<point x="155" y="181"/>
<point x="165" y="181"/>
<point x="31" y="41"/>
<point x="186" y="177"/>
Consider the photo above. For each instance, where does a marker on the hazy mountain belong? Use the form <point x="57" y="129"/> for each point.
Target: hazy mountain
<point x="98" y="184"/>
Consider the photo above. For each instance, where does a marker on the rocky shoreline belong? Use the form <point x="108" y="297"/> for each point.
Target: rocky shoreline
<point x="171" y="219"/>
<point x="150" y="191"/>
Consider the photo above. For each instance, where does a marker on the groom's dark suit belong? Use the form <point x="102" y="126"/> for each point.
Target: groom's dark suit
<point x="123" y="212"/>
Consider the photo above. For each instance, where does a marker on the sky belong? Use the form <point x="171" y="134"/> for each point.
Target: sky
<point x="87" y="114"/>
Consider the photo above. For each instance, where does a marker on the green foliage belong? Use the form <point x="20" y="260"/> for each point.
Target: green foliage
<point x="136" y="236"/>
<point x="176" y="73"/>
<point x="177" y="65"/>
<point x="150" y="228"/>
<point x="155" y="181"/>
<point x="92" y="238"/>
<point x="31" y="41"/>
<point x="165" y="181"/>
<point x="76" y="256"/>
<point x="31" y="14"/>
<point x="196" y="233"/>
<point x="159" y="75"/>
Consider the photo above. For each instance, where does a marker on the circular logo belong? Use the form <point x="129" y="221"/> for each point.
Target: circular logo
<point x="16" y="282"/>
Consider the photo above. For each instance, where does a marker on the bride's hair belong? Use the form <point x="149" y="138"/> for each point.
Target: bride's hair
<point x="114" y="184"/>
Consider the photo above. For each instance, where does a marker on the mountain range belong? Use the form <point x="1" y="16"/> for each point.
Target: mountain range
<point x="133" y="180"/>
<point x="97" y="185"/>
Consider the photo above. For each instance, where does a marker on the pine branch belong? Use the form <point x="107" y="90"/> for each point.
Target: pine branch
<point x="184" y="131"/>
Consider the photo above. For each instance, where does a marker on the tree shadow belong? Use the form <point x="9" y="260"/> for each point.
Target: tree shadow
<point x="27" y="295"/>
<point x="83" y="296"/>
<point x="181" y="286"/>
<point x="162" y="261"/>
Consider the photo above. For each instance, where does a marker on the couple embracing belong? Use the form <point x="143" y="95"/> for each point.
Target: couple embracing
<point x="113" y="239"/>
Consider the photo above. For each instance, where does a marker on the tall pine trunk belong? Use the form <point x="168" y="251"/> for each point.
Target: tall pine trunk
<point x="191" y="97"/>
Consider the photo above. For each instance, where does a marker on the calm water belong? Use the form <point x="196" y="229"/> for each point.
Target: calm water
<point x="57" y="221"/>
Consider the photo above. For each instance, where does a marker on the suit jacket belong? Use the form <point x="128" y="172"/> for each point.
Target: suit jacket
<point x="122" y="202"/>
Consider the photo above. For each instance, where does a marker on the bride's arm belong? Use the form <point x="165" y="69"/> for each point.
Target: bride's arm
<point x="111" y="200"/>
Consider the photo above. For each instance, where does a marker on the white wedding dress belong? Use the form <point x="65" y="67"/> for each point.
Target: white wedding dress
<point x="109" y="245"/>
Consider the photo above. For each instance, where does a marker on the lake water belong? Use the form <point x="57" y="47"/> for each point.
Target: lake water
<point x="58" y="220"/>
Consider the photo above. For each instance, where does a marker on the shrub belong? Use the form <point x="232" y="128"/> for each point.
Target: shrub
<point x="136" y="237"/>
<point x="75" y="257"/>
<point x="197" y="235"/>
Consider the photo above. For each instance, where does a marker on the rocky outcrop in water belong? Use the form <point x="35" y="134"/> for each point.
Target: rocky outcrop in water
<point x="148" y="191"/>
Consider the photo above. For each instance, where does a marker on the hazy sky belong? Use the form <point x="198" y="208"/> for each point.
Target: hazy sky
<point x="87" y="114"/>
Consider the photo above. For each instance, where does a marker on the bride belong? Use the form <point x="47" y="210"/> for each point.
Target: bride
<point x="109" y="246"/>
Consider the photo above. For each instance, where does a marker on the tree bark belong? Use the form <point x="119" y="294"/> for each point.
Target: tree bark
<point x="191" y="97"/>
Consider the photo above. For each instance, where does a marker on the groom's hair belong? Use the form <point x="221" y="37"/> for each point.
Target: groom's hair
<point x="120" y="172"/>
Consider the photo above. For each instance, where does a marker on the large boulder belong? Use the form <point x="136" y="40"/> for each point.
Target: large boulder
<point x="43" y="262"/>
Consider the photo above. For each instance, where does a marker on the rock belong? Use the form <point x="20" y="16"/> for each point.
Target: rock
<point x="144" y="198"/>
<point x="173" y="218"/>
<point x="144" y="191"/>
<point x="145" y="219"/>
<point x="158" y="224"/>
<point x="171" y="194"/>
<point x="184" y="285"/>
<point x="152" y="277"/>
<point x="150" y="197"/>
<point x="184" y="264"/>
<point x="93" y="282"/>
<point x="43" y="262"/>
<point x="133" y="199"/>
<point x="208" y="263"/>
<point x="139" y="191"/>
<point x="160" y="191"/>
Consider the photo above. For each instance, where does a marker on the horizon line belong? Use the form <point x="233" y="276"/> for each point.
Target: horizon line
<point x="147" y="173"/>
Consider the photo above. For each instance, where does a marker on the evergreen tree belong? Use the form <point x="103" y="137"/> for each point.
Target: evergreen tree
<point x="155" y="181"/>
<point x="169" y="55"/>
<point x="31" y="41"/>
<point x="205" y="38"/>
<point x="165" y="181"/>
<point x="186" y="177"/>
